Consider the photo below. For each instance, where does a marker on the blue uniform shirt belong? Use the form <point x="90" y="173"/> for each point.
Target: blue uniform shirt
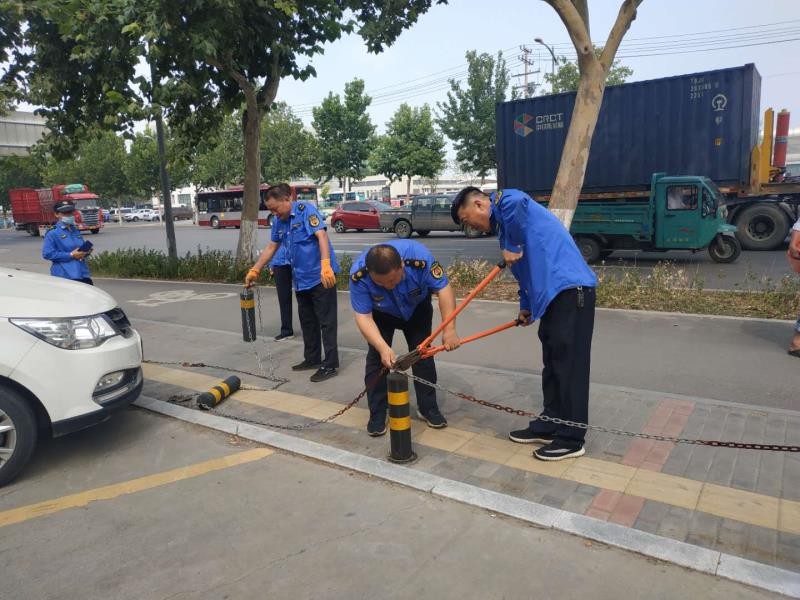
<point x="59" y="241"/>
<point x="296" y="234"/>
<point x="550" y="263"/>
<point x="423" y="275"/>
<point x="280" y="258"/>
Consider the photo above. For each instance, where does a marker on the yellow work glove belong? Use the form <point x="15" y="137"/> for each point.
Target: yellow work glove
<point x="326" y="273"/>
<point x="251" y="277"/>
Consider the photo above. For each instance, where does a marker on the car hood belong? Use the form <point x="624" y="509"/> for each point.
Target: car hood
<point x="26" y="294"/>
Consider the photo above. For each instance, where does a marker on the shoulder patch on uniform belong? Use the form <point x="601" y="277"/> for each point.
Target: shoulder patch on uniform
<point x="498" y="195"/>
<point x="313" y="220"/>
<point x="358" y="275"/>
<point x="300" y="206"/>
<point x="416" y="263"/>
<point x="437" y="271"/>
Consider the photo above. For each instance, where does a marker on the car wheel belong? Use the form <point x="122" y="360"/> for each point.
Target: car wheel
<point x="590" y="249"/>
<point x="214" y="222"/>
<point x="422" y="232"/>
<point x="402" y="229"/>
<point x="725" y="249"/>
<point x="471" y="232"/>
<point x="360" y="230"/>
<point x="339" y="227"/>
<point x="17" y="434"/>
<point x="762" y="227"/>
<point x="135" y="219"/>
<point x="95" y="231"/>
<point x="156" y="219"/>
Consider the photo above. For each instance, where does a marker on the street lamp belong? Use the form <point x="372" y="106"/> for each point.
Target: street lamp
<point x="550" y="49"/>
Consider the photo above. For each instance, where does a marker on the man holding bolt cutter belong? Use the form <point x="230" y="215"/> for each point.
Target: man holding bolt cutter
<point x="300" y="227"/>
<point x="558" y="287"/>
<point x="390" y="288"/>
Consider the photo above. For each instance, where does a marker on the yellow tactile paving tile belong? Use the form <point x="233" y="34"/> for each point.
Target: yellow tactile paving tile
<point x="489" y="448"/>
<point x="600" y="473"/>
<point x="747" y="507"/>
<point x="109" y="492"/>
<point x="525" y="462"/>
<point x="789" y="517"/>
<point x="669" y="489"/>
<point x="731" y="503"/>
<point x="449" y="440"/>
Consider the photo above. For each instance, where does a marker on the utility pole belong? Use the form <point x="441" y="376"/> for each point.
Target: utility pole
<point x="527" y="89"/>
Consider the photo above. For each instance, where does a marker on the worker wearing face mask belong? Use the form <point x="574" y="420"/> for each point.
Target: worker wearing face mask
<point x="64" y="246"/>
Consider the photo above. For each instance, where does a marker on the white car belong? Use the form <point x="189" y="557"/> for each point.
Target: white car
<point x="142" y="214"/>
<point x="68" y="359"/>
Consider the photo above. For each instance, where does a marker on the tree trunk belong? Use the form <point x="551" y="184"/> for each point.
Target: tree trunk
<point x="408" y="190"/>
<point x="251" y="126"/>
<point x="575" y="156"/>
<point x="166" y="196"/>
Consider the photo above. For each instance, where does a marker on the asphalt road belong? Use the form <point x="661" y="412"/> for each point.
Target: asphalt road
<point x="19" y="249"/>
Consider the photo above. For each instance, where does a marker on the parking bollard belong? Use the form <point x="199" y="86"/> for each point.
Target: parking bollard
<point x="399" y="420"/>
<point x="211" y="398"/>
<point x="248" y="305"/>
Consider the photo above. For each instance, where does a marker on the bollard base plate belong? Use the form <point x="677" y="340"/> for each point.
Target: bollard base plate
<point x="401" y="461"/>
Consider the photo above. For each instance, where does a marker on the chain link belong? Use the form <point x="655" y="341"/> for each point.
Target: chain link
<point x="557" y="421"/>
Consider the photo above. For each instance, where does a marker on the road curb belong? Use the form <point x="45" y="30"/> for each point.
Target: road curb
<point x="683" y="554"/>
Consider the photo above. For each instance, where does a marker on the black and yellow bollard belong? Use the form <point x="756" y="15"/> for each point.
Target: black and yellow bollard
<point x="248" y="303"/>
<point x="211" y="398"/>
<point x="399" y="420"/>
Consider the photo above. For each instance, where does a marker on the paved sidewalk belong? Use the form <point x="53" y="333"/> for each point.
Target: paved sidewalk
<point x="739" y="502"/>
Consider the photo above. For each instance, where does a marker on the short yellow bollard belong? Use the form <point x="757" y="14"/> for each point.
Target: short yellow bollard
<point x="399" y="420"/>
<point x="248" y="305"/>
<point x="211" y="398"/>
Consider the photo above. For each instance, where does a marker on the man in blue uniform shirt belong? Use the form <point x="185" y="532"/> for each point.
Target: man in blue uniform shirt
<point x="301" y="229"/>
<point x="390" y="288"/>
<point x="63" y="243"/>
<point x="558" y="287"/>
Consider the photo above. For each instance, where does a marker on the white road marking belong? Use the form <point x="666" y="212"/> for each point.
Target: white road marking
<point x="159" y="298"/>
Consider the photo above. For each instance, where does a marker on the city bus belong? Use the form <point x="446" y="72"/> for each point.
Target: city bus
<point x="223" y="208"/>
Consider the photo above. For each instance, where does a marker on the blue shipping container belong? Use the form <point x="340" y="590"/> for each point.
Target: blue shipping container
<point x="699" y="124"/>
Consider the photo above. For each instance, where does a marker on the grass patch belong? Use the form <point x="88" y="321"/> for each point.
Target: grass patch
<point x="666" y="287"/>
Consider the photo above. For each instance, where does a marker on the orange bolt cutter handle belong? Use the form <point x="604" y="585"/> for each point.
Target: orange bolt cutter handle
<point x="478" y="289"/>
<point x="428" y="352"/>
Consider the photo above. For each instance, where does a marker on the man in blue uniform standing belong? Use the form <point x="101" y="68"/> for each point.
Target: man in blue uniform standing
<point x="281" y="271"/>
<point x="390" y="288"/>
<point x="558" y="287"/>
<point x="301" y="229"/>
<point x="64" y="246"/>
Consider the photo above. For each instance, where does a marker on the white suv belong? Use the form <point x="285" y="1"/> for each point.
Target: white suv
<point x="68" y="358"/>
<point x="142" y="214"/>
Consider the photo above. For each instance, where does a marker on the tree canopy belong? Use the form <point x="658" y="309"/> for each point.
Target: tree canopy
<point x="345" y="133"/>
<point x="410" y="147"/>
<point x="468" y="116"/>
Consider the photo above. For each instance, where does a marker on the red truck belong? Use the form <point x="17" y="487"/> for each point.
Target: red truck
<point x="34" y="208"/>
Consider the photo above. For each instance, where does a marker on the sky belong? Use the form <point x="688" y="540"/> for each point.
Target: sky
<point x="415" y="69"/>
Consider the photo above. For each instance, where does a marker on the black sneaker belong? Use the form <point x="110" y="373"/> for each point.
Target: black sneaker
<point x="526" y="436"/>
<point x="559" y="450"/>
<point x="433" y="418"/>
<point x="322" y="374"/>
<point x="376" y="426"/>
<point x="283" y="336"/>
<point x="305" y="366"/>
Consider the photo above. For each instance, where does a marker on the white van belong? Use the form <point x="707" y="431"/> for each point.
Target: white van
<point x="68" y="359"/>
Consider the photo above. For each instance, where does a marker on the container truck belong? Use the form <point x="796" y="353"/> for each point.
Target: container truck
<point x="702" y="124"/>
<point x="34" y="208"/>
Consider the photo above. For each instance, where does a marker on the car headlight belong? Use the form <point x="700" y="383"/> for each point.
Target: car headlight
<point x="70" y="333"/>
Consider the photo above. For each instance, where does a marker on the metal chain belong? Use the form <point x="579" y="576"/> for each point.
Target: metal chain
<point x="557" y="421"/>
<point x="272" y="364"/>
